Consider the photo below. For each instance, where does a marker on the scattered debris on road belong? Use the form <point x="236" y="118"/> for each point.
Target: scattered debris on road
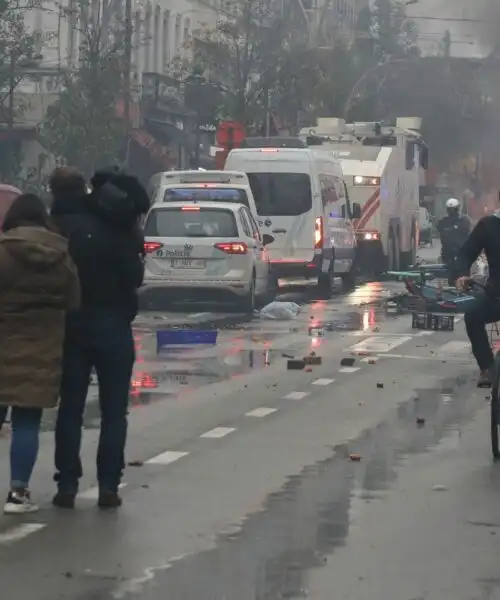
<point x="295" y="364"/>
<point x="312" y="360"/>
<point x="347" y="362"/>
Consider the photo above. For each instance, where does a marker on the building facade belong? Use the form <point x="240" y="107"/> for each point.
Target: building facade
<point x="162" y="31"/>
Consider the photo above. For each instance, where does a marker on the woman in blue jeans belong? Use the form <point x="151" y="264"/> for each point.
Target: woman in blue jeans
<point x="38" y="284"/>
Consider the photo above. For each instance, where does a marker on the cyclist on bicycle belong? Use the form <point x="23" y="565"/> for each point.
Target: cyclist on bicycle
<point x="486" y="308"/>
<point x="453" y="230"/>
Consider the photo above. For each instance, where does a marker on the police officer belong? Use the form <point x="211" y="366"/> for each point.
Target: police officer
<point x="453" y="231"/>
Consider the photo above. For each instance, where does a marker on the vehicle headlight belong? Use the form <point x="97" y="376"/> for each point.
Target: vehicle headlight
<point x="363" y="180"/>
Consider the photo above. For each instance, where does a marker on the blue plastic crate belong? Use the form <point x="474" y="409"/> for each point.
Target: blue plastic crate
<point x="176" y="337"/>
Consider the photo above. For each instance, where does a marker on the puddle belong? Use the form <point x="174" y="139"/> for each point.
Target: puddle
<point x="302" y="524"/>
<point x="360" y="320"/>
<point x="174" y="373"/>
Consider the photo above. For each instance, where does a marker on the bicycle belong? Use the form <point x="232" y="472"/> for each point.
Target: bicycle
<point x="495" y="387"/>
<point x="436" y="301"/>
<point x="495" y="399"/>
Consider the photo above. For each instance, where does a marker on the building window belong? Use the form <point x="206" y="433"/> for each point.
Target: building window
<point x="95" y="11"/>
<point x="156" y="40"/>
<point x="147" y="41"/>
<point x="166" y="40"/>
<point x="187" y="31"/>
<point x="72" y="30"/>
<point x="177" y="33"/>
<point x="137" y="41"/>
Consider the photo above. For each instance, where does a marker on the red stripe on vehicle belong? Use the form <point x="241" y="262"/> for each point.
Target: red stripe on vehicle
<point x="366" y="216"/>
<point x="373" y="198"/>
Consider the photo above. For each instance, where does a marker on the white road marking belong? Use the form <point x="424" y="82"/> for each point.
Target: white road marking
<point x="380" y="344"/>
<point x="423" y="333"/>
<point x="93" y="492"/>
<point x="218" y="432"/>
<point x="166" y="458"/>
<point x="296" y="395"/>
<point x="323" y="381"/>
<point x="202" y="314"/>
<point x="370" y="359"/>
<point x="349" y="369"/>
<point x="432" y="357"/>
<point x="414" y="357"/>
<point x="20" y="531"/>
<point x="454" y="347"/>
<point x="261" y="412"/>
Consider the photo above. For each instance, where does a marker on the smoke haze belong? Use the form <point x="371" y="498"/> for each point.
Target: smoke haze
<point x="484" y="34"/>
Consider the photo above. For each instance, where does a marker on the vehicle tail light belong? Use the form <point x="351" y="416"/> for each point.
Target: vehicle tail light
<point x="369" y="236"/>
<point x="318" y="233"/>
<point x="150" y="247"/>
<point x="232" y="247"/>
<point x="191" y="208"/>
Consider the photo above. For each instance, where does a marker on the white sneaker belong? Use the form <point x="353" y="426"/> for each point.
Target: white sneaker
<point x="19" y="504"/>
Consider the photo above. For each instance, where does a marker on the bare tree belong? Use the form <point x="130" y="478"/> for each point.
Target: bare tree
<point x="84" y="127"/>
<point x="241" y="55"/>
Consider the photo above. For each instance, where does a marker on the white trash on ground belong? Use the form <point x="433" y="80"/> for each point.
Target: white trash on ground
<point x="280" y="311"/>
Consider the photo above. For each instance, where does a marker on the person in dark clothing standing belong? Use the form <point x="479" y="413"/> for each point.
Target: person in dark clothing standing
<point x="486" y="308"/>
<point x="453" y="231"/>
<point x="106" y="245"/>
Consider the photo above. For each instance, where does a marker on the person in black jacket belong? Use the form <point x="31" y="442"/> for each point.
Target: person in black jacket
<point x="106" y="245"/>
<point x="453" y="231"/>
<point x="486" y="308"/>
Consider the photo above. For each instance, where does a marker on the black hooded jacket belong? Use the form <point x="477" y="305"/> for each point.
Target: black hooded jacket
<point x="485" y="237"/>
<point x="106" y="245"/>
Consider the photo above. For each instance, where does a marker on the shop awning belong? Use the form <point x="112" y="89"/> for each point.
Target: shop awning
<point x="156" y="150"/>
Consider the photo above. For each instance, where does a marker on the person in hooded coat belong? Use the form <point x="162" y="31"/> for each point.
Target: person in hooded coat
<point x="106" y="243"/>
<point x="38" y="283"/>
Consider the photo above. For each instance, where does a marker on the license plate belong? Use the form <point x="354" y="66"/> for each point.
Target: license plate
<point x="188" y="263"/>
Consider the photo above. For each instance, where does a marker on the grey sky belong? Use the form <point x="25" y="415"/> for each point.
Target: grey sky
<point x="469" y="39"/>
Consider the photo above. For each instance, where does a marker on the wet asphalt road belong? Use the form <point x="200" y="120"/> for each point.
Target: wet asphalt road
<point x="247" y="489"/>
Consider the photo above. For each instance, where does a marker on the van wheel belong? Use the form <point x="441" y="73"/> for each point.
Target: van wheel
<point x="408" y="259"/>
<point x="349" y="281"/>
<point x="393" y="257"/>
<point x="247" y="303"/>
<point x="270" y="294"/>
<point x="326" y="282"/>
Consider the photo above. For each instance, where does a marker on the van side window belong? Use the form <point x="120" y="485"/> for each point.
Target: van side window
<point x="329" y="193"/>
<point x="345" y="205"/>
<point x="245" y="223"/>
<point x="410" y="155"/>
<point x="253" y="225"/>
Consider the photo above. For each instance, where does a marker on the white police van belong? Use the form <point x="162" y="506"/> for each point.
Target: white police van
<point x="302" y="201"/>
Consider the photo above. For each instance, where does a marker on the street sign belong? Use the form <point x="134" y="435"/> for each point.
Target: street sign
<point x="230" y="134"/>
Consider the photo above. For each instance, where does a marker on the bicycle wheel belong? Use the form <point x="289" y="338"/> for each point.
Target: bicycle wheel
<point x="495" y="409"/>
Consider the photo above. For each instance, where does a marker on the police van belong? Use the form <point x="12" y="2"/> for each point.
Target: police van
<point x="302" y="201"/>
<point x="198" y="186"/>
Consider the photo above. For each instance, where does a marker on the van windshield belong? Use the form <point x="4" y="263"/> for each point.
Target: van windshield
<point x="212" y="194"/>
<point x="281" y="194"/>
